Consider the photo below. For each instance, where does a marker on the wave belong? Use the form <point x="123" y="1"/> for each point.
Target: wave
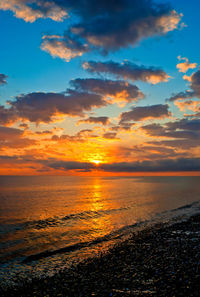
<point x="57" y="221"/>
<point x="185" y="206"/>
<point x="117" y="234"/>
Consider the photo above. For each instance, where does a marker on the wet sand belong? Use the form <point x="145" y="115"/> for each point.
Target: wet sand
<point x="159" y="261"/>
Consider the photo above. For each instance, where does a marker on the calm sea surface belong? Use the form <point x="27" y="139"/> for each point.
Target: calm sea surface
<point x="46" y="223"/>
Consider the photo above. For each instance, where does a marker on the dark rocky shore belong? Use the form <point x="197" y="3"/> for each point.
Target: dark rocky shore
<point x="159" y="261"/>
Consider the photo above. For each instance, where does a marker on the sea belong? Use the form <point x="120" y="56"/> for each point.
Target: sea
<point x="48" y="223"/>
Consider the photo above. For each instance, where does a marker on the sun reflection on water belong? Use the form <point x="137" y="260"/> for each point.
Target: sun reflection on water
<point x="100" y="223"/>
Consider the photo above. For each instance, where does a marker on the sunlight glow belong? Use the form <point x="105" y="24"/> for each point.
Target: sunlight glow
<point x="97" y="162"/>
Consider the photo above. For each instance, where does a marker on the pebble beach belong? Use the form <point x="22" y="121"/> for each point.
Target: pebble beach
<point x="163" y="260"/>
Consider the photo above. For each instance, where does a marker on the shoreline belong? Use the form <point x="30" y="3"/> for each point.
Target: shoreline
<point x="163" y="260"/>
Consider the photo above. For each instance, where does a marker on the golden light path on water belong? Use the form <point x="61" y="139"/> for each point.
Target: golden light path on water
<point x="40" y="214"/>
<point x="101" y="225"/>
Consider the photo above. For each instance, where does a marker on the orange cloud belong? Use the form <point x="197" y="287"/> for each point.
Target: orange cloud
<point x="65" y="48"/>
<point x="189" y="104"/>
<point x="45" y="9"/>
<point x="185" y="66"/>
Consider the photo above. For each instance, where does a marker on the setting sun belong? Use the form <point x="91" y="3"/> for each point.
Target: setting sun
<point x="96" y="162"/>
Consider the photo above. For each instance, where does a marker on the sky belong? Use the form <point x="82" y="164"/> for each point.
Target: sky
<point x="99" y="87"/>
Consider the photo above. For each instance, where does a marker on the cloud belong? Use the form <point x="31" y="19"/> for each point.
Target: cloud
<point x="181" y="96"/>
<point x="110" y="135"/>
<point x="80" y="136"/>
<point x="7" y="116"/>
<point x="145" y="112"/>
<point x="99" y="25"/>
<point x="71" y="165"/>
<point x="185" y="124"/>
<point x="182" y="144"/>
<point x="196" y="115"/>
<point x="24" y="125"/>
<point x="119" y="91"/>
<point x="189" y="104"/>
<point x="3" y="78"/>
<point x="96" y="120"/>
<point x="9" y="133"/>
<point x="127" y="24"/>
<point x="194" y="92"/>
<point x="34" y="9"/>
<point x="122" y="126"/>
<point x="147" y="152"/>
<point x="128" y="70"/>
<point x="185" y="66"/>
<point x="44" y="107"/>
<point x="103" y="25"/>
<point x="182" y="129"/>
<point x="66" y="47"/>
<point x="108" y="25"/>
<point x="85" y="95"/>
<point x="13" y="138"/>
<point x="184" y="134"/>
<point x="163" y="165"/>
<point x="195" y="83"/>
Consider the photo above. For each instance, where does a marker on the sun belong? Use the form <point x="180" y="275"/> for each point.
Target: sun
<point x="97" y="162"/>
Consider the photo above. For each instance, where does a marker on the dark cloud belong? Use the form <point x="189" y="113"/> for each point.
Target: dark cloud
<point x="124" y="24"/>
<point x="195" y="115"/>
<point x="123" y="126"/>
<point x="194" y="92"/>
<point x="45" y="132"/>
<point x="120" y="90"/>
<point x="184" y="134"/>
<point x="183" y="144"/>
<point x="154" y="130"/>
<point x="159" y="149"/>
<point x="181" y="96"/>
<point x="9" y="133"/>
<point x="148" y="152"/>
<point x="71" y="165"/>
<point x="128" y="70"/>
<point x="106" y="25"/>
<point x="183" y="129"/>
<point x="164" y="165"/>
<point x="3" y="78"/>
<point x="38" y="107"/>
<point x="145" y="112"/>
<point x="96" y="120"/>
<point x="158" y="130"/>
<point x="184" y="124"/>
<point x="195" y="83"/>
<point x="13" y="138"/>
<point x="80" y="136"/>
<point x="87" y="94"/>
<point x="110" y="135"/>
<point x="44" y="107"/>
<point x="7" y="115"/>
<point x="24" y="125"/>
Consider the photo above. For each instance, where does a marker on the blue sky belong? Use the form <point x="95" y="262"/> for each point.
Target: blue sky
<point x="29" y="69"/>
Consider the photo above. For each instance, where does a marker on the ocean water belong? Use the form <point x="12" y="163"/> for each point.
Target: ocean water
<point x="48" y="223"/>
